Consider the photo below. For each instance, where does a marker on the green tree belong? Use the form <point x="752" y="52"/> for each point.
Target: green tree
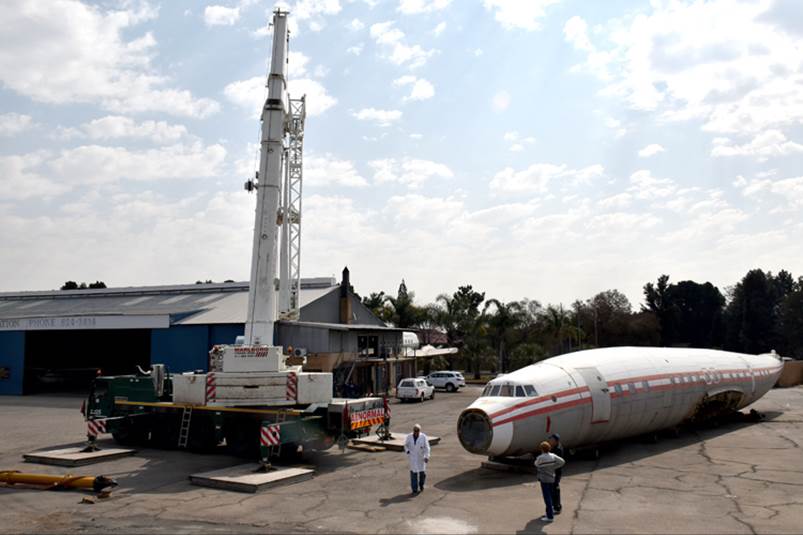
<point x="697" y="314"/>
<point x="502" y="325"/>
<point x="751" y="314"/>
<point x="404" y="312"/>
<point x="525" y="354"/>
<point x="377" y="303"/>
<point x="791" y="323"/>
<point x="659" y="303"/>
<point x="460" y="316"/>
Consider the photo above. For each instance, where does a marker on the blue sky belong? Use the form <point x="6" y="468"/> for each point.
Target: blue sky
<point x="547" y="149"/>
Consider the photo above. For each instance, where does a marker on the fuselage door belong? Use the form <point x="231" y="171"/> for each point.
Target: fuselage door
<point x="600" y="394"/>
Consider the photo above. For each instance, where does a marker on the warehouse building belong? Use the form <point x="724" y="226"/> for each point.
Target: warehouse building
<point x="58" y="340"/>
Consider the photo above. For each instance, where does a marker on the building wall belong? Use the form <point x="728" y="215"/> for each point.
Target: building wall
<point x="181" y="347"/>
<point x="12" y="358"/>
<point x="327" y="310"/>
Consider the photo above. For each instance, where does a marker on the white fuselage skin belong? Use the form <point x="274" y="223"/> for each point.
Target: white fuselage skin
<point x="598" y="395"/>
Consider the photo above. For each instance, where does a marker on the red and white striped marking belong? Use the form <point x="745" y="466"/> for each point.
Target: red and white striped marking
<point x="292" y="386"/>
<point x="270" y="436"/>
<point x="95" y="427"/>
<point x="211" y="388"/>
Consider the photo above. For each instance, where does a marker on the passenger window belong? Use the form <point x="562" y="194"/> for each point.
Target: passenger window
<point x="530" y="390"/>
<point x="520" y="392"/>
<point x="495" y="390"/>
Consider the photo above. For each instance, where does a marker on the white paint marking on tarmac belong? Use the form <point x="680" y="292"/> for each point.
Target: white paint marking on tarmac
<point x="441" y="524"/>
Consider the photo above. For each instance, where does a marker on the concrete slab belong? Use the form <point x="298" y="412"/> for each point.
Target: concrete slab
<point x="396" y="443"/>
<point x="243" y="478"/>
<point x="75" y="457"/>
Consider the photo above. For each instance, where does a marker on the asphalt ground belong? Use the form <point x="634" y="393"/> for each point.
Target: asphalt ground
<point x="736" y="478"/>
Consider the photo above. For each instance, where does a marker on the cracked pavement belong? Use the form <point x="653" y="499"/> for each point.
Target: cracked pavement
<point x="736" y="478"/>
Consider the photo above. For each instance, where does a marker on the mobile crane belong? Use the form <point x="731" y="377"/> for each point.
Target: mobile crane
<point x="251" y="398"/>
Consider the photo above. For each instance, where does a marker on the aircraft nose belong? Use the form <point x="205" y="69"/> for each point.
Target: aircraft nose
<point x="475" y="431"/>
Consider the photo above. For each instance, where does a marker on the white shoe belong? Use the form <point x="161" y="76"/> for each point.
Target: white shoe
<point x="546" y="519"/>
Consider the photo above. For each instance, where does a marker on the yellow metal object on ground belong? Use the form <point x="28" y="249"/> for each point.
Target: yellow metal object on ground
<point x="14" y="477"/>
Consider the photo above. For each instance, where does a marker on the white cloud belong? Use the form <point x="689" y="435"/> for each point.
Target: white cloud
<point x="650" y="150"/>
<point x="328" y="171"/>
<point x="392" y="41"/>
<point x="618" y="201"/>
<point x="517" y="142"/>
<point x="20" y="179"/>
<point x="221" y="15"/>
<point x="790" y="189"/>
<point x="117" y="127"/>
<point x="770" y="143"/>
<point x="728" y="64"/>
<point x="412" y="7"/>
<point x="645" y="186"/>
<point x="439" y="29"/>
<point x="93" y="164"/>
<point x="250" y="94"/>
<point x="44" y="174"/>
<point x="519" y="14"/>
<point x="409" y="171"/>
<point x="13" y="123"/>
<point x="355" y="50"/>
<point x="538" y="177"/>
<point x="68" y="52"/>
<point x="420" y="89"/>
<point x="380" y="117"/>
<point x="355" y="25"/>
<point x="500" y="101"/>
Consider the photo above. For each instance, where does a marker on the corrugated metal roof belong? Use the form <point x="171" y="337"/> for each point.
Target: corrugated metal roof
<point x="207" y="303"/>
<point x="233" y="308"/>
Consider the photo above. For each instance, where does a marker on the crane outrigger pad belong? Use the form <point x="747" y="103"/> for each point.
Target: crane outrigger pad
<point x="396" y="443"/>
<point x="245" y="478"/>
<point x="75" y="456"/>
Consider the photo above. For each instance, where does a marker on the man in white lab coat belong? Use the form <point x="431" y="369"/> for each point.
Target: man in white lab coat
<point x="417" y="449"/>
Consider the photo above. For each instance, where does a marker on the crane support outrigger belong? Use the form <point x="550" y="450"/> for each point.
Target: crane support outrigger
<point x="251" y="398"/>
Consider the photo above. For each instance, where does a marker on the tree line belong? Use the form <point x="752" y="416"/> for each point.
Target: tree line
<point x="763" y="311"/>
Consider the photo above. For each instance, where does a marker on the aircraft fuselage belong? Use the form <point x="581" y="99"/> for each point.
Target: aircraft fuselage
<point x="598" y="395"/>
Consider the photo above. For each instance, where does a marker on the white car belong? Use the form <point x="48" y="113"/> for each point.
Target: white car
<point x="451" y="381"/>
<point x="419" y="389"/>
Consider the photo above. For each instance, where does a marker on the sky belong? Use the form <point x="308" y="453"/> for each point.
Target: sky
<point x="541" y="149"/>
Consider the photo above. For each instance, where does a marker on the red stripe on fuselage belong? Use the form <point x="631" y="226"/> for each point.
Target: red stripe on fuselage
<point x="543" y="410"/>
<point x="642" y="378"/>
<point x="539" y="399"/>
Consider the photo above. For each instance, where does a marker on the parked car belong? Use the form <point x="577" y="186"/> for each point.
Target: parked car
<point x="449" y="380"/>
<point x="418" y="388"/>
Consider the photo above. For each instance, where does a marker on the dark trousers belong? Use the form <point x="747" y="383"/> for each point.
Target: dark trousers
<point x="546" y="490"/>
<point x="556" y="495"/>
<point x="417" y="480"/>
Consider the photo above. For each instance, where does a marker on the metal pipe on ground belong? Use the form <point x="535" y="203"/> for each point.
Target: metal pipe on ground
<point x="95" y="483"/>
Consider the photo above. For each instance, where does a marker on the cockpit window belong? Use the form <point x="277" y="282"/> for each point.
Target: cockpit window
<point x="495" y="390"/>
<point x="507" y="390"/>
<point x="530" y="389"/>
<point x="520" y="392"/>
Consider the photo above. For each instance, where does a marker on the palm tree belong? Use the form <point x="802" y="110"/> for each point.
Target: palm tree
<point x="507" y="318"/>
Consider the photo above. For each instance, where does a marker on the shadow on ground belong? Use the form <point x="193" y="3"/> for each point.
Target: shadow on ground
<point x="610" y="454"/>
